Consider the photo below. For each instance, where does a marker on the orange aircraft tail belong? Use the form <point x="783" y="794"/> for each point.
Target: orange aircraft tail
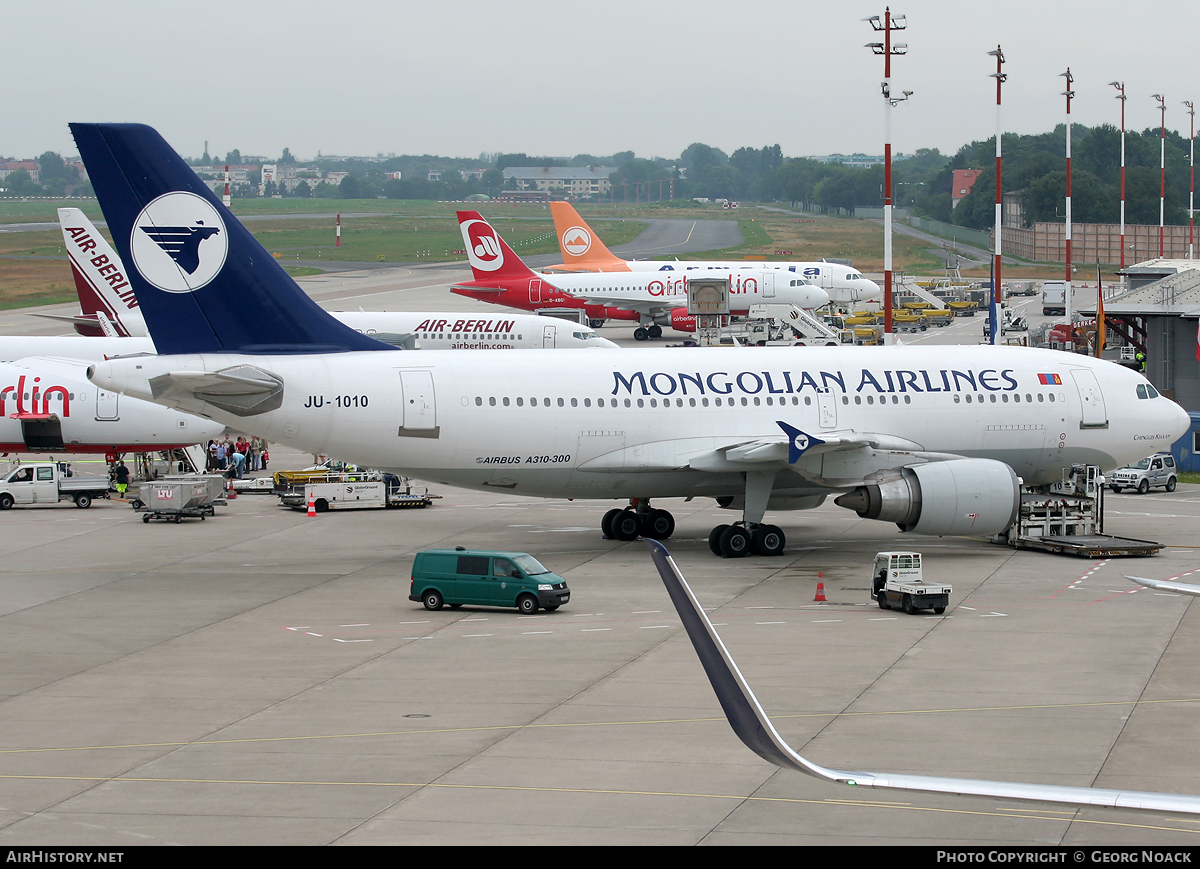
<point x="582" y="250"/>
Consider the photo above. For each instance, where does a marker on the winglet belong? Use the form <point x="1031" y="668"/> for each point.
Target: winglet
<point x="799" y="442"/>
<point x="755" y="730"/>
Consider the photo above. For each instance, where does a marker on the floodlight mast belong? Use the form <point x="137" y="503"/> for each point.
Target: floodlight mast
<point x="1120" y="86"/>
<point x="1162" y="171"/>
<point x="1000" y="77"/>
<point x="886" y="25"/>
<point x="1192" y="183"/>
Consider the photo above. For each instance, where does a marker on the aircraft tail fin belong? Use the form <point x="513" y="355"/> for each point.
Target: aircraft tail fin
<point x="581" y="248"/>
<point x="100" y="280"/>
<point x="491" y="257"/>
<point x="203" y="283"/>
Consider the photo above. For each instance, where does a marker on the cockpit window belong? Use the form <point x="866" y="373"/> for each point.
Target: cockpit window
<point x="1145" y="390"/>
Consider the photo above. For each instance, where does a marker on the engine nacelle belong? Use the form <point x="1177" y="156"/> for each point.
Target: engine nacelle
<point x="964" y="496"/>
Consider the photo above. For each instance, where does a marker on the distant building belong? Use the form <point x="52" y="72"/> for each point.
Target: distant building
<point x="434" y="175"/>
<point x="33" y="167"/>
<point x="392" y="176"/>
<point x="565" y="180"/>
<point x="964" y="180"/>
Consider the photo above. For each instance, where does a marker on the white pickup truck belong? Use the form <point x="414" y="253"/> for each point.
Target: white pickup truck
<point x="46" y="483"/>
<point x="897" y="581"/>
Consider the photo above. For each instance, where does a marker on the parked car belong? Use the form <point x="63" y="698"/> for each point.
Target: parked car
<point x="1156" y="470"/>
<point x="506" y="579"/>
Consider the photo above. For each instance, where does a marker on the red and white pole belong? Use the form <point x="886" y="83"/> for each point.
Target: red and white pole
<point x="338" y="243"/>
<point x="1162" y="171"/>
<point x="1070" y="292"/>
<point x="226" y="199"/>
<point x="886" y="26"/>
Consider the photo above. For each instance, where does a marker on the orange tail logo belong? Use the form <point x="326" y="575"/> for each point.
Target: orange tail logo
<point x="582" y="250"/>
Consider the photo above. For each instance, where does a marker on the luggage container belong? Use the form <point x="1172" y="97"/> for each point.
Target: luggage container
<point x="174" y="499"/>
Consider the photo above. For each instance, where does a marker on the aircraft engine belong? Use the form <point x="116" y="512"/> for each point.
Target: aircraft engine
<point x="964" y="496"/>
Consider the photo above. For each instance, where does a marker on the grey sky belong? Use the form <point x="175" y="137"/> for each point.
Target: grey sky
<point x="460" y="77"/>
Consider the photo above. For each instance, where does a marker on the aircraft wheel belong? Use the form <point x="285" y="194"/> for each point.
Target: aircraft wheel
<point x="655" y="331"/>
<point x="626" y="526"/>
<point x="596" y="322"/>
<point x="714" y="539"/>
<point x="735" y="542"/>
<point x="768" y="540"/>
<point x="640" y="334"/>
<point x="606" y="523"/>
<point x="1143" y="487"/>
<point x="658" y="525"/>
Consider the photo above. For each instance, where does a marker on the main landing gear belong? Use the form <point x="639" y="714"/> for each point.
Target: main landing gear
<point x="741" y="538"/>
<point x="645" y="333"/>
<point x="639" y="519"/>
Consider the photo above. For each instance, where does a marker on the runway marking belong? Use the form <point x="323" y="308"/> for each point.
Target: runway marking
<point x="1027" y="814"/>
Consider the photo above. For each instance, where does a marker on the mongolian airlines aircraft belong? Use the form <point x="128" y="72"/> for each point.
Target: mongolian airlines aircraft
<point x="583" y="251"/>
<point x="932" y="439"/>
<point x="653" y="299"/>
<point x="109" y="306"/>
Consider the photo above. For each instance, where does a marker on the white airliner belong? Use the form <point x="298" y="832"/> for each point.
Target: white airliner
<point x="1166" y="585"/>
<point x="583" y="251"/>
<point x="47" y="405"/>
<point x="932" y="439"/>
<point x="654" y="300"/>
<point x="109" y="306"/>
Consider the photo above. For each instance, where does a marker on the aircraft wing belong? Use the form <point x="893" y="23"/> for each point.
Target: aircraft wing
<point x="1166" y="585"/>
<point x="76" y="320"/>
<point x="641" y="306"/>
<point x="755" y="730"/>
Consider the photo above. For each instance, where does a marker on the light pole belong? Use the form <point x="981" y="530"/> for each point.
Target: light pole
<point x="1068" y="93"/>
<point x="999" y="76"/>
<point x="886" y="26"/>
<point x="1192" y="183"/>
<point x="1162" y="171"/>
<point x="1120" y="86"/>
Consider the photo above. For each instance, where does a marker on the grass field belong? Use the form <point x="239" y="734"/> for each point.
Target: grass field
<point x="422" y="231"/>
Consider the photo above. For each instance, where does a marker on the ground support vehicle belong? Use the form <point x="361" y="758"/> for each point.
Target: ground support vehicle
<point x="505" y="579"/>
<point x="963" y="309"/>
<point x="1021" y="288"/>
<point x="897" y="581"/>
<point x="286" y="481"/>
<point x="1067" y="518"/>
<point x="172" y="499"/>
<point x="1054" y="297"/>
<point x="343" y="492"/>
<point x="785" y="325"/>
<point x="1150" y="472"/>
<point x="49" y="483"/>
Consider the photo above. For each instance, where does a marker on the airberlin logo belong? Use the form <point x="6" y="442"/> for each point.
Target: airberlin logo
<point x="179" y="243"/>
<point x="483" y="245"/>
<point x="577" y="241"/>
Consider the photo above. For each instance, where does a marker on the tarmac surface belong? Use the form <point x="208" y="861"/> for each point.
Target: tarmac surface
<point x="262" y="678"/>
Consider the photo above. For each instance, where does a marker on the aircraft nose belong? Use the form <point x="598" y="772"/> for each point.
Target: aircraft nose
<point x="1181" y="420"/>
<point x="872" y="292"/>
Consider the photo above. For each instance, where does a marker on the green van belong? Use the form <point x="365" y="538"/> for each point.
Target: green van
<point x="458" y="576"/>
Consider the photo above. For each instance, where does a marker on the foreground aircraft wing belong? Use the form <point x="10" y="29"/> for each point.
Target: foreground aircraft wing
<point x="641" y="306"/>
<point x="1166" y="585"/>
<point x="754" y="728"/>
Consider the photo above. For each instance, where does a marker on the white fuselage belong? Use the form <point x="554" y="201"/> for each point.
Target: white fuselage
<point x="642" y="423"/>
<point x="844" y="284"/>
<point x="748" y="286"/>
<point x="50" y="406"/>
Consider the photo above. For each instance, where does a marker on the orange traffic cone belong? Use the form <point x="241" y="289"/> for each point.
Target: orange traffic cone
<point x="232" y="491"/>
<point x="312" y="506"/>
<point x="820" y="598"/>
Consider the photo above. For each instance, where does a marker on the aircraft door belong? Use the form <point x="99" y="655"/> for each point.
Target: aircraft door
<point x="826" y="278"/>
<point x="548" y="335"/>
<point x="768" y="285"/>
<point x="535" y="291"/>
<point x="1095" y="415"/>
<point x="828" y="403"/>
<point x="106" y="405"/>
<point x="419" y="416"/>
